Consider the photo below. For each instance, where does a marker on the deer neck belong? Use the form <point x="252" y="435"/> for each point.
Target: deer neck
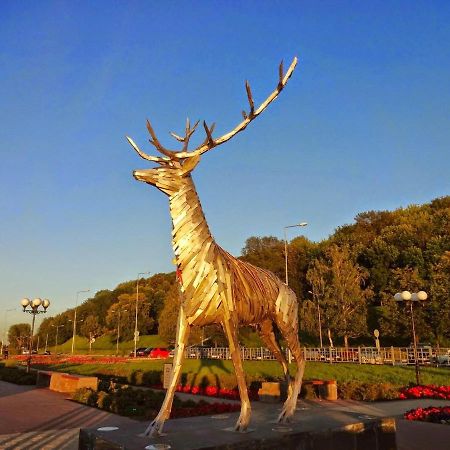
<point x="190" y="232"/>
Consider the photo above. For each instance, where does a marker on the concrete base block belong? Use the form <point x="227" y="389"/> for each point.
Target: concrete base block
<point x="272" y="392"/>
<point x="63" y="382"/>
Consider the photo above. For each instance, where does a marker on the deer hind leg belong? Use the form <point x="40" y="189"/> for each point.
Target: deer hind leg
<point x="268" y="336"/>
<point x="288" y="325"/>
<point x="232" y="335"/>
<point x="183" y="329"/>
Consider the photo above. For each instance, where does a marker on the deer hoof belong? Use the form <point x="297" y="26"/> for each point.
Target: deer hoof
<point x="154" y="429"/>
<point x="242" y="425"/>
<point x="286" y="414"/>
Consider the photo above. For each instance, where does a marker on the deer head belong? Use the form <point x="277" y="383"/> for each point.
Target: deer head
<point x="175" y="166"/>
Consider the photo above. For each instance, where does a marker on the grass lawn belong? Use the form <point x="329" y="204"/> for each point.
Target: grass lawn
<point x="222" y="372"/>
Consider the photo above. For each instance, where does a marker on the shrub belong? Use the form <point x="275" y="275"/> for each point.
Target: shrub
<point x="17" y="376"/>
<point x="104" y="400"/>
<point x="308" y="392"/>
<point x="147" y="378"/>
<point x="87" y="396"/>
<point x="355" y="390"/>
<point x="152" y="378"/>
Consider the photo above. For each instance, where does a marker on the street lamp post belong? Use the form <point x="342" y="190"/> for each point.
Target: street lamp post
<point x="34" y="309"/>
<point x="5" y="330"/>
<point x="315" y="297"/>
<point x="118" y="328"/>
<point x="136" y="315"/>
<point x="56" y="340"/>
<point x="75" y="319"/>
<point x="46" y="342"/>
<point x="301" y="224"/>
<point x="416" y="297"/>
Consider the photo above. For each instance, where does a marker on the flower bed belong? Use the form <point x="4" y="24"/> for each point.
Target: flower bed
<point x="430" y="391"/>
<point x="75" y="359"/>
<point x="433" y="414"/>
<point x="214" y="391"/>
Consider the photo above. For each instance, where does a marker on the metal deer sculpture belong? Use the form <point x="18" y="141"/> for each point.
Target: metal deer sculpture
<point x="218" y="288"/>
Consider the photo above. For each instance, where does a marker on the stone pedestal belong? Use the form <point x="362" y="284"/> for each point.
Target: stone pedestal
<point x="63" y="382"/>
<point x="272" y="392"/>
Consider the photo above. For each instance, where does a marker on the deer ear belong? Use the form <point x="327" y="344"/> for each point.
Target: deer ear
<point x="190" y="164"/>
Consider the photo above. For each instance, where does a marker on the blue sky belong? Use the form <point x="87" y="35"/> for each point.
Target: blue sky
<point x="363" y="124"/>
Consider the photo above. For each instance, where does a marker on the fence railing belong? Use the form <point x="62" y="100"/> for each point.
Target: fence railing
<point x="333" y="355"/>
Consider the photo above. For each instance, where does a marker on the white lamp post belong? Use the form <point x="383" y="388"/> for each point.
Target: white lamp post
<point x="75" y="319"/>
<point x="315" y="297"/>
<point x="416" y="297"/>
<point x="57" y="331"/>
<point x="301" y="224"/>
<point x="5" y="331"/>
<point x="136" y="315"/>
<point x="118" y="328"/>
<point x="33" y="309"/>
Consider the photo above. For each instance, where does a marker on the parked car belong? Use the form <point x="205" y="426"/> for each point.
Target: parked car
<point x="139" y="352"/>
<point x="197" y="351"/>
<point x="25" y="351"/>
<point x="159" y="353"/>
<point x="443" y="358"/>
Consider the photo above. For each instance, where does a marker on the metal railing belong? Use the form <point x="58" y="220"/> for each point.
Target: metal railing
<point x="332" y="355"/>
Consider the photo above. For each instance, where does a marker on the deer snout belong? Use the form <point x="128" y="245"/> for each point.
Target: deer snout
<point x="142" y="175"/>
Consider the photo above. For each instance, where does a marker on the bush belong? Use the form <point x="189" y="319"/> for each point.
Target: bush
<point x="17" y="375"/>
<point x="309" y="392"/>
<point x="104" y="400"/>
<point x="355" y="390"/>
<point x="147" y="378"/>
<point x="145" y="403"/>
<point x="87" y="396"/>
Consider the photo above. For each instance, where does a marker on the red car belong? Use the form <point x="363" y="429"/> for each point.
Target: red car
<point x="159" y="353"/>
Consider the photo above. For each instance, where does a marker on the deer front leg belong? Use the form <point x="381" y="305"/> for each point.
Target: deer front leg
<point x="183" y="329"/>
<point x="231" y="332"/>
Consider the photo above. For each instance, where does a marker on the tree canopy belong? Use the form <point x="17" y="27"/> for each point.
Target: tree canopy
<point x="351" y="277"/>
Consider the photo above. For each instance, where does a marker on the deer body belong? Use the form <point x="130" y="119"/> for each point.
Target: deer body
<point x="216" y="287"/>
<point x="215" y="284"/>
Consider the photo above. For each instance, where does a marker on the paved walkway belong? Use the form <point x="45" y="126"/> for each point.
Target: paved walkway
<point x="39" y="419"/>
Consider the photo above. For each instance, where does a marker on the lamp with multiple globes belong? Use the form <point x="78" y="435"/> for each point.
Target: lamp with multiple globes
<point x="414" y="298"/>
<point x="33" y="308"/>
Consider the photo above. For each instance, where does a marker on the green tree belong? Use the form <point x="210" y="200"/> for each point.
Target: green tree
<point x="265" y="252"/>
<point x="317" y="277"/>
<point x="19" y="336"/>
<point x="440" y="300"/>
<point x="344" y="298"/>
<point x="91" y="327"/>
<point x="167" y="324"/>
<point x="396" y="317"/>
<point x="126" y="305"/>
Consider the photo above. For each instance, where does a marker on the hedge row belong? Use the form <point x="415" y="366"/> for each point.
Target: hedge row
<point x="17" y="375"/>
<point x="145" y="403"/>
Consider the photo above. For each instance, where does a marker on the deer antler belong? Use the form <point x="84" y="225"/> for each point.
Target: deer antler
<point x="144" y="155"/>
<point x="209" y="141"/>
